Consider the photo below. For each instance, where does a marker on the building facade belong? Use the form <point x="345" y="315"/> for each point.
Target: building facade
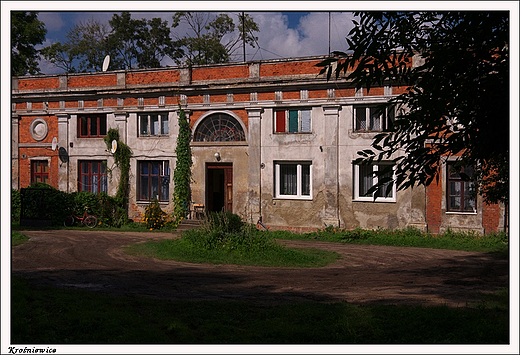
<point x="272" y="141"/>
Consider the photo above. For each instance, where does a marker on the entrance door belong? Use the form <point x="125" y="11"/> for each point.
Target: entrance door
<point x="219" y="187"/>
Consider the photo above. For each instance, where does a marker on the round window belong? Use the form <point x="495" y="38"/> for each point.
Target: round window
<point x="39" y="129"/>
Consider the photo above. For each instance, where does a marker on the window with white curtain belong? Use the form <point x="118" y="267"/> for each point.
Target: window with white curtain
<point x="373" y="118"/>
<point x="366" y="176"/>
<point x="153" y="124"/>
<point x="293" y="180"/>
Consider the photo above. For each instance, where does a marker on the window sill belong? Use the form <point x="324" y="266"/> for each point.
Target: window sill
<point x="153" y="136"/>
<point x="296" y="198"/>
<point x="462" y="212"/>
<point x="375" y="201"/>
<point x="282" y="133"/>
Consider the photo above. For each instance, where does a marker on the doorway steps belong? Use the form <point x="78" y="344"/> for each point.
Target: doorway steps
<point x="188" y="224"/>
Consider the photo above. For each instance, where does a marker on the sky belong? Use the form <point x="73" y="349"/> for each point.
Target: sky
<point x="280" y="35"/>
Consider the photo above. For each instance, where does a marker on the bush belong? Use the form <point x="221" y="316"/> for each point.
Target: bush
<point x="15" y="206"/>
<point x="224" y="221"/>
<point x="226" y="231"/>
<point x="53" y="204"/>
<point x="154" y="216"/>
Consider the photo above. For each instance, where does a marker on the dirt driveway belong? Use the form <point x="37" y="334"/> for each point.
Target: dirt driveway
<point x="93" y="260"/>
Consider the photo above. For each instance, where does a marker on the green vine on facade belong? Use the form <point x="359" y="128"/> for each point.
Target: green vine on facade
<point x="122" y="160"/>
<point x="182" y="172"/>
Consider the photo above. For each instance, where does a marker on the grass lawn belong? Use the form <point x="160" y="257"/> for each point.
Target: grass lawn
<point x="65" y="316"/>
<point x="57" y="316"/>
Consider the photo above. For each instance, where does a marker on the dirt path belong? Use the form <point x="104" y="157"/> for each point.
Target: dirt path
<point x="94" y="260"/>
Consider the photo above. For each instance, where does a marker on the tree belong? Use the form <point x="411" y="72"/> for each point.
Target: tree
<point x="211" y="39"/>
<point x="26" y="32"/>
<point x="455" y="66"/>
<point x="85" y="49"/>
<point x="155" y="44"/>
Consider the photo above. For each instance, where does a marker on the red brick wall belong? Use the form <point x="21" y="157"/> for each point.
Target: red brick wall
<point x="289" y="68"/>
<point x="92" y="80"/>
<point x="24" y="165"/>
<point x="24" y="134"/>
<point x="170" y="76"/>
<point x="433" y="206"/>
<point x="38" y="83"/>
<point x="491" y="217"/>
<point x="231" y="72"/>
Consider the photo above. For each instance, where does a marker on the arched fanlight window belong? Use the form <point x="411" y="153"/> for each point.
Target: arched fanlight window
<point x="219" y="127"/>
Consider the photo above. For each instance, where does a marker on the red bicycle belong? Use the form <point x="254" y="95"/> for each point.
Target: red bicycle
<point x="87" y="219"/>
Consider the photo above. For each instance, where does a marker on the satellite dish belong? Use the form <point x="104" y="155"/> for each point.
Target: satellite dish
<point x="106" y="62"/>
<point x="54" y="143"/>
<point x="64" y="156"/>
<point x="114" y="146"/>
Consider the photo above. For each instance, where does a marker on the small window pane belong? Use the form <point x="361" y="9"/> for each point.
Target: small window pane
<point x="280" y="121"/>
<point x="455" y="188"/>
<point x="144" y="188"/>
<point x="375" y="119"/>
<point x="306" y="180"/>
<point x="365" y="179"/>
<point x="143" y="124"/>
<point x="154" y="123"/>
<point x="164" y="124"/>
<point x="361" y="119"/>
<point x="306" y="121"/>
<point x="94" y="126"/>
<point x="103" y="126"/>
<point x="83" y="121"/>
<point x="288" y="179"/>
<point x="293" y="121"/>
<point x="454" y="203"/>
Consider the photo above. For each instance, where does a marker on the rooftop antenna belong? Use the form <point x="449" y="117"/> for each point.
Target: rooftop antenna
<point x="106" y="62"/>
<point x="244" y="34"/>
<point x="329" y="33"/>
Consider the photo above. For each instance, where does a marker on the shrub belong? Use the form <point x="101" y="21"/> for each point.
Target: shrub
<point x="224" y="221"/>
<point x="56" y="204"/>
<point x="226" y="231"/>
<point x="154" y="216"/>
<point x="15" y="206"/>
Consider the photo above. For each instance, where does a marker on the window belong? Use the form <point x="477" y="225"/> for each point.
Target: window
<point x="293" y="180"/>
<point x="373" y="118"/>
<point x="92" y="176"/>
<point x="365" y="177"/>
<point x="292" y="121"/>
<point x="459" y="196"/>
<point x="39" y="171"/>
<point x="92" y="126"/>
<point x="153" y="180"/>
<point x="153" y="124"/>
<point x="219" y="127"/>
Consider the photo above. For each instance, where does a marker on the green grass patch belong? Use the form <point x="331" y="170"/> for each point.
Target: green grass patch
<point x="467" y="241"/>
<point x="65" y="316"/>
<point x="276" y="256"/>
<point x="226" y="239"/>
<point x="18" y="238"/>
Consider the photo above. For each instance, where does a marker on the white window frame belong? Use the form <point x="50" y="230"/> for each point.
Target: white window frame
<point x="287" y="120"/>
<point x="163" y="117"/>
<point x="299" y="195"/>
<point x="375" y="167"/>
<point x="384" y="120"/>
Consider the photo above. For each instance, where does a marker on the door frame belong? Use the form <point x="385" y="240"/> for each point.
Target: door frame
<point x="227" y="188"/>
